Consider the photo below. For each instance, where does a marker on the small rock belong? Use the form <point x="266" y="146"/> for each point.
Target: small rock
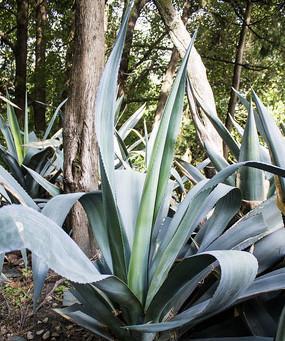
<point x="55" y="334"/>
<point x="57" y="328"/>
<point x="69" y="326"/>
<point x="39" y="322"/>
<point x="46" y="335"/>
<point x="45" y="320"/>
<point x="40" y="332"/>
<point x="53" y="339"/>
<point x="54" y="305"/>
<point x="30" y="335"/>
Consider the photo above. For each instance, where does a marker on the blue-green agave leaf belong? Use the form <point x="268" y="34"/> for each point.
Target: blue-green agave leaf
<point x="250" y="180"/>
<point x="156" y="182"/>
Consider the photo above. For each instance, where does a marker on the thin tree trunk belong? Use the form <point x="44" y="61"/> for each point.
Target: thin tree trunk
<point x="21" y="49"/>
<point x="196" y="69"/>
<point x="238" y="63"/>
<point x="40" y="72"/>
<point x="80" y="148"/>
<point x="124" y="67"/>
<point x="171" y="69"/>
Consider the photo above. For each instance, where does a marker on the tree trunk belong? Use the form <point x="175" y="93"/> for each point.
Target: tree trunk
<point x="21" y="56"/>
<point x="238" y="63"/>
<point x="80" y="148"/>
<point x="171" y="69"/>
<point x="167" y="84"/>
<point x="123" y="71"/>
<point x="196" y="69"/>
<point x="40" y="72"/>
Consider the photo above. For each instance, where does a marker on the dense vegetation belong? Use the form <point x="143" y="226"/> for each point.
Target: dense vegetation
<point x="183" y="248"/>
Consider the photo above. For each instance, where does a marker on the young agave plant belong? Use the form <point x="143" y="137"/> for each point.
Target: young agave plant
<point x="25" y="155"/>
<point x="159" y="275"/>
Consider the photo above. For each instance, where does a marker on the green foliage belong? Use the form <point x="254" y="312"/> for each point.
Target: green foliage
<point x="162" y="269"/>
<point x="28" y="158"/>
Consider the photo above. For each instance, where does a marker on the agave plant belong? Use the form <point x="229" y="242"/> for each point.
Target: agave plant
<point x="160" y="272"/>
<point x="25" y="155"/>
<point x="255" y="185"/>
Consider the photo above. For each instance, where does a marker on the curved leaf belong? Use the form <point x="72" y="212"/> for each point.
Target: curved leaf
<point x="22" y="227"/>
<point x="237" y="272"/>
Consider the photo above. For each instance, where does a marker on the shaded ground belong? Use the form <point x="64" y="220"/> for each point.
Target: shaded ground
<point x="17" y="321"/>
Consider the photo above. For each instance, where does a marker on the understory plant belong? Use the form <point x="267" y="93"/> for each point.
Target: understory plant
<point x="25" y="155"/>
<point x="161" y="272"/>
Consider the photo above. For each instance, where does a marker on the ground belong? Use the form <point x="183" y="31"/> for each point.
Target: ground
<point x="17" y="320"/>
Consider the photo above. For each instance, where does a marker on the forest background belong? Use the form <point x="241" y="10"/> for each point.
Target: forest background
<point x="241" y="44"/>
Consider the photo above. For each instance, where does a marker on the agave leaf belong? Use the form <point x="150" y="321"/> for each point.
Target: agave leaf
<point x="258" y="319"/>
<point x="129" y="186"/>
<point x="238" y="127"/>
<point x="118" y="106"/>
<point x="163" y="303"/>
<point x="272" y="281"/>
<point x="218" y="161"/>
<point x="223" y="132"/>
<point x="22" y="227"/>
<point x="251" y="181"/>
<point x="54" y="116"/>
<point x="203" y="164"/>
<point x="179" y="232"/>
<point x="93" y="206"/>
<point x="224" y="211"/>
<point x="105" y="112"/>
<point x="119" y="293"/>
<point x="173" y="246"/>
<point x="127" y="127"/>
<point x="98" y="307"/>
<point x="178" y="179"/>
<point x="77" y="314"/>
<point x="16" y="132"/>
<point x="276" y="142"/>
<point x="241" y="236"/>
<point x="8" y="138"/>
<point x="280" y="336"/>
<point x="40" y="271"/>
<point x="13" y="165"/>
<point x="49" y="187"/>
<point x="56" y="209"/>
<point x="268" y="255"/>
<point x="12" y="186"/>
<point x="237" y="272"/>
<point x="190" y="171"/>
<point x="157" y="181"/>
<point x="7" y="100"/>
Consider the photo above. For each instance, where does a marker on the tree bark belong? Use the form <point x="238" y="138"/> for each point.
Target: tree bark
<point x="238" y="63"/>
<point x="171" y="69"/>
<point x="167" y="84"/>
<point x="21" y="50"/>
<point x="80" y="148"/>
<point x="124" y="66"/>
<point x="196" y="69"/>
<point x="40" y="72"/>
